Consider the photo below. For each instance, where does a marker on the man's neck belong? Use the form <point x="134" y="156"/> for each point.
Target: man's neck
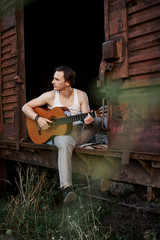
<point x="67" y="92"/>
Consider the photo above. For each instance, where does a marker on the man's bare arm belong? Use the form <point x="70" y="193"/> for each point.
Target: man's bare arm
<point x="85" y="107"/>
<point x="37" y="102"/>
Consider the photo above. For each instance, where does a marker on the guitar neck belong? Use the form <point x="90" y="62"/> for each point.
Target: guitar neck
<point x="73" y="118"/>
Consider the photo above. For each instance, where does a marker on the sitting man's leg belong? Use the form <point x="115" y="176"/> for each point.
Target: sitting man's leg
<point x="65" y="145"/>
<point x="89" y="131"/>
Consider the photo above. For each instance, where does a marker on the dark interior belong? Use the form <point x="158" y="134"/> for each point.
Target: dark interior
<point x="63" y="32"/>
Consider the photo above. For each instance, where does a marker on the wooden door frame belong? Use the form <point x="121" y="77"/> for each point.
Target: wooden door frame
<point x="21" y="78"/>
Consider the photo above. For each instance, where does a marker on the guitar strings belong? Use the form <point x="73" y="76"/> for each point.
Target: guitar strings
<point x="72" y="118"/>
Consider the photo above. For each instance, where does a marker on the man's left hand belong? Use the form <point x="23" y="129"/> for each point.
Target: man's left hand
<point x="89" y="119"/>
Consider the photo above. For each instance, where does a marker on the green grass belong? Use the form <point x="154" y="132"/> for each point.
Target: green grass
<point x="34" y="213"/>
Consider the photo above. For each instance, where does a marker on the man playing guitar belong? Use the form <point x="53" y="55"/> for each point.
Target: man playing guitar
<point x="63" y="94"/>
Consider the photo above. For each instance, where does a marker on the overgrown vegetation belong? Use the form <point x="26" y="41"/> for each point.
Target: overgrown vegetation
<point x="36" y="212"/>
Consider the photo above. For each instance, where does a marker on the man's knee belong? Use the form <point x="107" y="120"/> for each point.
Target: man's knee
<point x="97" y="123"/>
<point x="64" y="142"/>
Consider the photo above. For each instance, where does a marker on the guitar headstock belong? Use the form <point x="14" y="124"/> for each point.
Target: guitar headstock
<point x="102" y="111"/>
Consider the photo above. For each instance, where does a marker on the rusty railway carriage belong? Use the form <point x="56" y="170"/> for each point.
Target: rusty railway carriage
<point x="112" y="43"/>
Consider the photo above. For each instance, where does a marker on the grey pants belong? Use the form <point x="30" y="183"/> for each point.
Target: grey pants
<point x="80" y="134"/>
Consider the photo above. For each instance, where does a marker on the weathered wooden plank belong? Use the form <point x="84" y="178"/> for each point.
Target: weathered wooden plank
<point x="9" y="55"/>
<point x="116" y="29"/>
<point x="116" y="4"/>
<point x="117" y="21"/>
<point x="9" y="107"/>
<point x="144" y="57"/>
<point x="143" y="51"/>
<point x="146" y="77"/>
<point x="1" y="83"/>
<point x="110" y="8"/>
<point x="10" y="99"/>
<point x="144" y="41"/>
<point x="142" y="5"/>
<point x="10" y="84"/>
<point x="8" y="121"/>
<point x="9" y="114"/>
<point x="9" y="32"/>
<point x="21" y="130"/>
<point x="146" y="69"/>
<point x="144" y="29"/>
<point x="147" y="15"/>
<point x="116" y="15"/>
<point x="9" y="62"/>
<point x="152" y="62"/>
<point x="106" y="21"/>
<point x="121" y="68"/>
<point x="6" y="49"/>
<point x="8" y="77"/>
<point x="9" y="92"/>
<point x="8" y="70"/>
<point x="8" y="40"/>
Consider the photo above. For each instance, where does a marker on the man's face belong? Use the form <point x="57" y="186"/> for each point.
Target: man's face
<point x="59" y="82"/>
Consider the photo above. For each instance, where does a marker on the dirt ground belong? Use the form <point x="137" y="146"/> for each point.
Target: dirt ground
<point x="140" y="222"/>
<point x="128" y="215"/>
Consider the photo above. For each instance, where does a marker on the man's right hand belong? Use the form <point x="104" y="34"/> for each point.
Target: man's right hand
<point x="43" y="123"/>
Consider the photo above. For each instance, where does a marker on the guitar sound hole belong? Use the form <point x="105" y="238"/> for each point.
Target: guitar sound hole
<point x="53" y="124"/>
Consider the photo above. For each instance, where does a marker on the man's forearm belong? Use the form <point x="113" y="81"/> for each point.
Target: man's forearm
<point x="29" y="112"/>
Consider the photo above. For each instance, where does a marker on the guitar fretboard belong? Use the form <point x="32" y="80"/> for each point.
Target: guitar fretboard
<point x="74" y="118"/>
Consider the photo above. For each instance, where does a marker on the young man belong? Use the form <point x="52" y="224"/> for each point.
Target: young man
<point x="63" y="94"/>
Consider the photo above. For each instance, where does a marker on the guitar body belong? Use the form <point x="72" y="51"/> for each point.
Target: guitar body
<point x="45" y="135"/>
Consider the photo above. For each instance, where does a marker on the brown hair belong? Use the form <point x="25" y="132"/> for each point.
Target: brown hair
<point x="69" y="73"/>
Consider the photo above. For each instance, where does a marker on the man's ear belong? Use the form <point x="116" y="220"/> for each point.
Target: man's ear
<point x="67" y="83"/>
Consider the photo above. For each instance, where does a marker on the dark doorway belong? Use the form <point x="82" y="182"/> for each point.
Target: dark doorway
<point x="63" y="33"/>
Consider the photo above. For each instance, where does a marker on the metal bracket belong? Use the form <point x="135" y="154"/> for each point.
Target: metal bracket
<point x="125" y="157"/>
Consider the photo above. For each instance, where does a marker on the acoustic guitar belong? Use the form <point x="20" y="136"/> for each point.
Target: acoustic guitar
<point x="61" y="122"/>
